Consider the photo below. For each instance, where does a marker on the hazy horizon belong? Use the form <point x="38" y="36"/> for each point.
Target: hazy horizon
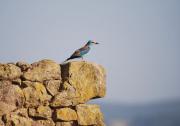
<point x="139" y="41"/>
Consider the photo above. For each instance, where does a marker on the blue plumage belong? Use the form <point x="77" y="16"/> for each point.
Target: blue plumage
<point x="82" y="51"/>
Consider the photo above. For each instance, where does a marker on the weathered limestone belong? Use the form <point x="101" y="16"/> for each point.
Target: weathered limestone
<point x="64" y="98"/>
<point x="88" y="79"/>
<point x="9" y="71"/>
<point x="11" y="94"/>
<point x="66" y="124"/>
<point x="43" y="112"/>
<point x="66" y="114"/>
<point x="36" y="95"/>
<point x="23" y="65"/>
<point x="53" y="86"/>
<point x="48" y="122"/>
<point x="95" y="117"/>
<point x="43" y="70"/>
<point x="17" y="118"/>
<point x="1" y="123"/>
<point x="7" y="101"/>
<point x="6" y="108"/>
<point x="48" y="94"/>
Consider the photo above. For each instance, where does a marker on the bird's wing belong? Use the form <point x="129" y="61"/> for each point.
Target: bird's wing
<point x="79" y="52"/>
<point x="84" y="50"/>
<point x="76" y="53"/>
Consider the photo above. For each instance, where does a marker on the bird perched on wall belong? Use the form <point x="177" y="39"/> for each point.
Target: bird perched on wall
<point x="82" y="51"/>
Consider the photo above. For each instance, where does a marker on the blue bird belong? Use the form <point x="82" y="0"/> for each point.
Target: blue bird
<point x="82" y="51"/>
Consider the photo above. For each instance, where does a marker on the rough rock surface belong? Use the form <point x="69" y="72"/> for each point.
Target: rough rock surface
<point x="48" y="122"/>
<point x="66" y="114"/>
<point x="6" y="108"/>
<point x="64" y="98"/>
<point x="95" y="117"/>
<point x="1" y="123"/>
<point x="88" y="79"/>
<point x="53" y="86"/>
<point x="23" y="65"/>
<point x="48" y="94"/>
<point x="9" y="71"/>
<point x="17" y="118"/>
<point x="66" y="124"/>
<point x="11" y="97"/>
<point x="43" y="70"/>
<point x="36" y="95"/>
<point x="43" y="112"/>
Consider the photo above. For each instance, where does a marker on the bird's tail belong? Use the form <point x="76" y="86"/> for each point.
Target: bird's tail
<point x="72" y="57"/>
<point x="66" y="60"/>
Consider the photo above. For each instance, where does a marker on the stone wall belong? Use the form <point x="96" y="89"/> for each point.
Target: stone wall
<point x="48" y="94"/>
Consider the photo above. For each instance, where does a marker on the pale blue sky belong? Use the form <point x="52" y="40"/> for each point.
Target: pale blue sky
<point x="140" y="41"/>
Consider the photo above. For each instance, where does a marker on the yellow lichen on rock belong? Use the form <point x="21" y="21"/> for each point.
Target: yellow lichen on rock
<point x="43" y="112"/>
<point x="88" y="79"/>
<point x="36" y="95"/>
<point x="9" y="71"/>
<point x="66" y="114"/>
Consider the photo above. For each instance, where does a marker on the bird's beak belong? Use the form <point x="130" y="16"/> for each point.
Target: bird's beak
<point x="96" y="43"/>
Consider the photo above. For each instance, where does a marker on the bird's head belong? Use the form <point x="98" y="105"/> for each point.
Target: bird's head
<point x="91" y="42"/>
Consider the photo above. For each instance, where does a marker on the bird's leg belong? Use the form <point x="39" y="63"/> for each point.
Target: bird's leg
<point x="82" y="59"/>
